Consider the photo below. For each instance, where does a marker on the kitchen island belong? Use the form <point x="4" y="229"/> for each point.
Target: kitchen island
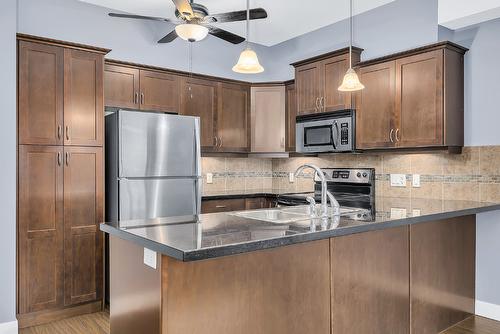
<point x="409" y="269"/>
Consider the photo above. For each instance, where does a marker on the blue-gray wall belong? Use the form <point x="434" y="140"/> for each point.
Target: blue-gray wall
<point x="8" y="162"/>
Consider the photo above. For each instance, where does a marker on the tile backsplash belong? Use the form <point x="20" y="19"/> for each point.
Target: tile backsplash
<point x="472" y="175"/>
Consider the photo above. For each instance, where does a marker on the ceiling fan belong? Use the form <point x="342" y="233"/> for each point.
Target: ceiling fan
<point x="193" y="22"/>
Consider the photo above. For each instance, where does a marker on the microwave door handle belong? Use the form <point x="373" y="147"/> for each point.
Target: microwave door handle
<point x="335" y="127"/>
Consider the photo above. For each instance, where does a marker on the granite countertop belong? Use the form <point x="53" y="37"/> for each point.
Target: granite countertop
<point x="228" y="194"/>
<point x="219" y="234"/>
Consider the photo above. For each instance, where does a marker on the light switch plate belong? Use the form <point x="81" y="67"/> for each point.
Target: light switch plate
<point x="398" y="180"/>
<point x="416" y="213"/>
<point x="398" y="213"/>
<point x="150" y="258"/>
<point x="415" y="180"/>
<point x="291" y="177"/>
<point x="210" y="178"/>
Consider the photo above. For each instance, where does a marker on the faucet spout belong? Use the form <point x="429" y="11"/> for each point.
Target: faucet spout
<point x="321" y="175"/>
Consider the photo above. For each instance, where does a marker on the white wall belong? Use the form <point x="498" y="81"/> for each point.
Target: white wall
<point x="8" y="167"/>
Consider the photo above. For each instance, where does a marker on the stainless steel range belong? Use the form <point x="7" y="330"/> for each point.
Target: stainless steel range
<point x="352" y="187"/>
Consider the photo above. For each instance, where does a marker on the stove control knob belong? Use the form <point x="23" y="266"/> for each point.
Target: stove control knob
<point x="359" y="174"/>
<point x="365" y="175"/>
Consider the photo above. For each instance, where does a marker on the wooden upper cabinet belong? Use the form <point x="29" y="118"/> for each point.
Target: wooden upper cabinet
<point x="83" y="212"/>
<point x="375" y="109"/>
<point x="121" y="86"/>
<point x="40" y="228"/>
<point x="83" y="98"/>
<point x="233" y="117"/>
<point x="199" y="98"/>
<point x="290" y="116"/>
<point x="41" y="79"/>
<point x="159" y="91"/>
<point x="333" y="71"/>
<point x="419" y="100"/>
<point x="307" y="82"/>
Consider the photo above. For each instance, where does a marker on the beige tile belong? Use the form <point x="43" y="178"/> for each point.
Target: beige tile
<point x="254" y="183"/>
<point x="489" y="160"/>
<point x="235" y="183"/>
<point x="398" y="192"/>
<point x="396" y="164"/>
<point x="267" y="182"/>
<point x="466" y="191"/>
<point x="371" y="161"/>
<point x="466" y="163"/>
<point x="428" y="190"/>
<point x="346" y="160"/>
<point x="236" y="164"/>
<point x="267" y="165"/>
<point x="379" y="187"/>
<point x="427" y="164"/>
<point x="276" y="182"/>
<point x="304" y="184"/>
<point x="253" y="165"/>
<point x="489" y="192"/>
<point x="213" y="165"/>
<point x="219" y="183"/>
<point x="285" y="184"/>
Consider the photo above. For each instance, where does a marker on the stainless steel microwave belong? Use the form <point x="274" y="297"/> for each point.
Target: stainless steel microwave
<point x="326" y="132"/>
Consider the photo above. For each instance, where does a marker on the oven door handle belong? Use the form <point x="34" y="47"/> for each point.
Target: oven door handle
<point x="335" y="127"/>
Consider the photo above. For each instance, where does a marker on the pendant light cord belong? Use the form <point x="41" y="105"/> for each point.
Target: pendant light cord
<point x="350" y="41"/>
<point x="248" y="23"/>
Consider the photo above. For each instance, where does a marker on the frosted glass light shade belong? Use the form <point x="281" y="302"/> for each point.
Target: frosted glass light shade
<point x="191" y="32"/>
<point x="351" y="82"/>
<point x="248" y="63"/>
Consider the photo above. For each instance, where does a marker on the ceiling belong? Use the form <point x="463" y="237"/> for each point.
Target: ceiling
<point x="286" y="18"/>
<point x="455" y="14"/>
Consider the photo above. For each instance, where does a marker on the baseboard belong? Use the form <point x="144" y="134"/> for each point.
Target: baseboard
<point x="8" y="327"/>
<point x="487" y="310"/>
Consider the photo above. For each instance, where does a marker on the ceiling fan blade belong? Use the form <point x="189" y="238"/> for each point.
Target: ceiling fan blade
<point x="255" y="14"/>
<point x="139" y="17"/>
<point x="184" y="7"/>
<point x="169" y="37"/>
<point x="225" y="35"/>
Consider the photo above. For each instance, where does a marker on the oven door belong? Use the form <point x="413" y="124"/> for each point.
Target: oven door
<point x="317" y="136"/>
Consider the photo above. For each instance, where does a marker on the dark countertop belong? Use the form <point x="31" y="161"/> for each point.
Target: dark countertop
<point x="221" y="234"/>
<point x="229" y="194"/>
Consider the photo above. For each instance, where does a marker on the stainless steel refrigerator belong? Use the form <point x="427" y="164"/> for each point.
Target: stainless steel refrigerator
<point x="152" y="165"/>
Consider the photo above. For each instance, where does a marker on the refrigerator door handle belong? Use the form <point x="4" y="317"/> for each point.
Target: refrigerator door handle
<point x="197" y="168"/>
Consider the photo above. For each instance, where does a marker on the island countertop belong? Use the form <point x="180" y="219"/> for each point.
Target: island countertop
<point x="220" y="234"/>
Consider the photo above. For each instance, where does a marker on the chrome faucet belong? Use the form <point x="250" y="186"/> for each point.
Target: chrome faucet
<point x="325" y="194"/>
<point x="312" y="206"/>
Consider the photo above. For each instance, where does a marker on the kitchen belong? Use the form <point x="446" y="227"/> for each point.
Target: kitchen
<point x="250" y="156"/>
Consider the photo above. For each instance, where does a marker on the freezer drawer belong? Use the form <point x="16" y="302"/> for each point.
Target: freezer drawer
<point x="153" y="198"/>
<point x="153" y="145"/>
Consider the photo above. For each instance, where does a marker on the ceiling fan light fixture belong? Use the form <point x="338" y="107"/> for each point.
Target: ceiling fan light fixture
<point x="248" y="63"/>
<point x="191" y="32"/>
<point x="351" y="82"/>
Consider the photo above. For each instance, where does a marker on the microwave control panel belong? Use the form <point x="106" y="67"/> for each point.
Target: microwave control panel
<point x="344" y="133"/>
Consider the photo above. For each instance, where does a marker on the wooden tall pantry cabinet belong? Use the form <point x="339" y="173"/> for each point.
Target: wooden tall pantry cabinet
<point x="60" y="179"/>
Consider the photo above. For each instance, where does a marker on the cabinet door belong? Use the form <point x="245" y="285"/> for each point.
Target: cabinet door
<point x="40" y="228"/>
<point x="375" y="110"/>
<point x="83" y="98"/>
<point x="419" y="100"/>
<point x="333" y="71"/>
<point x="290" y="115"/>
<point x="307" y="83"/>
<point x="41" y="79"/>
<point x="121" y="87"/>
<point x="83" y="211"/>
<point x="199" y="98"/>
<point x="268" y="119"/>
<point x="232" y="121"/>
<point x="159" y="91"/>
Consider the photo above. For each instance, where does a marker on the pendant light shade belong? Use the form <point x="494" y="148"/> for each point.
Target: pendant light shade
<point x="191" y="32"/>
<point x="248" y="62"/>
<point x="351" y="81"/>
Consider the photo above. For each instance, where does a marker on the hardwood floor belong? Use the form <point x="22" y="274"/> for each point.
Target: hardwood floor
<point x="95" y="323"/>
<point x="98" y="323"/>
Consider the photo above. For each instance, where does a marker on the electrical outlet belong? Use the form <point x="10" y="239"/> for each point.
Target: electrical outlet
<point x="398" y="180"/>
<point x="415" y="180"/>
<point x="398" y="213"/>
<point x="150" y="258"/>
<point x="210" y="178"/>
<point x="416" y="213"/>
<point x="291" y="177"/>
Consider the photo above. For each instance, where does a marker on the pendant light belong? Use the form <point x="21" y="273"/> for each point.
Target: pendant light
<point x="248" y="62"/>
<point x="351" y="81"/>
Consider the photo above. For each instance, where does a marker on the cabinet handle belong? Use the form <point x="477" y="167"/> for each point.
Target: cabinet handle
<point x="216" y="141"/>
<point x="67" y="158"/>
<point x="282" y="142"/>
<point x="67" y="132"/>
<point x="59" y="159"/>
<point x="398" y="138"/>
<point x="220" y="142"/>
<point x="59" y="132"/>
<point x="136" y="98"/>
<point x="142" y="98"/>
<point x="390" y="135"/>
<point x="317" y="107"/>
<point x="321" y="103"/>
<point x="220" y="206"/>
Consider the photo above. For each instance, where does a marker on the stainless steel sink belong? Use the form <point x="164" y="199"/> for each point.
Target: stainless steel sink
<point x="304" y="210"/>
<point x="272" y="215"/>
